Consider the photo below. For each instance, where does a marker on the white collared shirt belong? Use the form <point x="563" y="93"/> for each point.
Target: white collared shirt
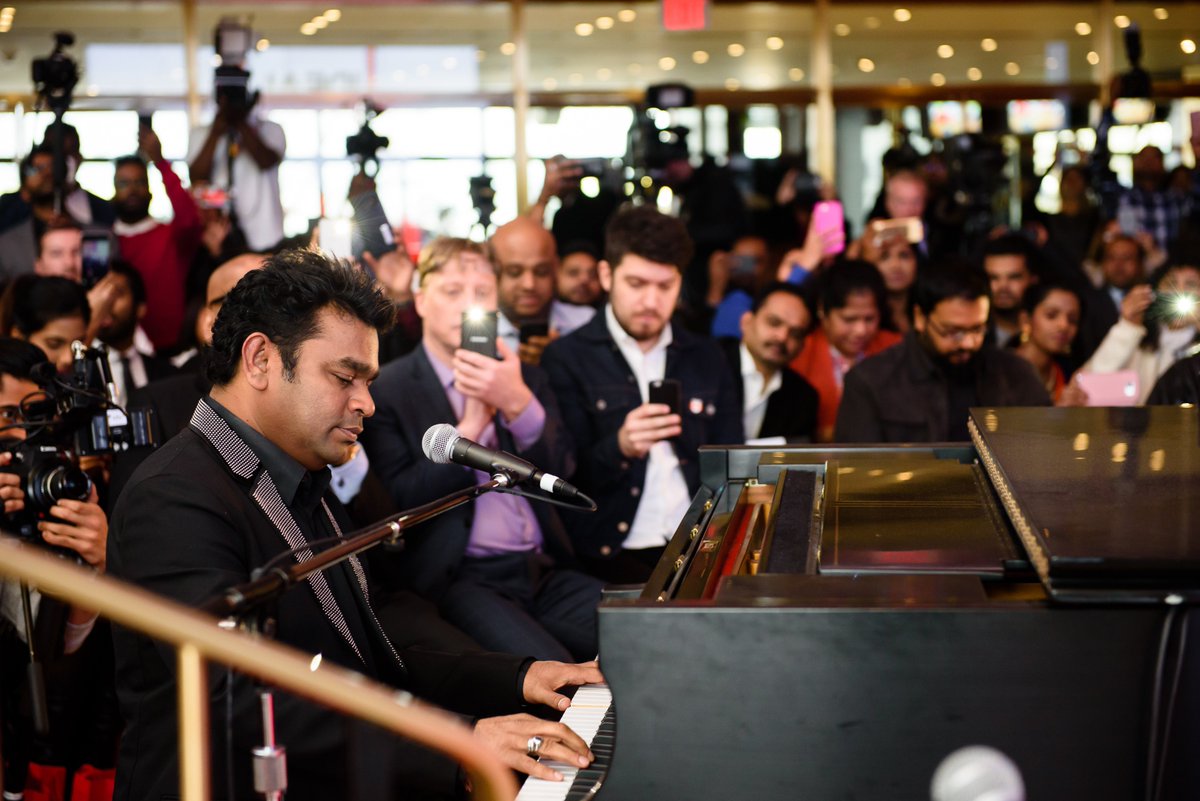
<point x="755" y="393"/>
<point x="664" y="497"/>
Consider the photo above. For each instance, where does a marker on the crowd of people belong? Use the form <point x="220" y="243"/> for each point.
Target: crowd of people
<point x="291" y="393"/>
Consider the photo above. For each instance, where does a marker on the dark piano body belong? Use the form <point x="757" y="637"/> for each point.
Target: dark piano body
<point x="831" y="623"/>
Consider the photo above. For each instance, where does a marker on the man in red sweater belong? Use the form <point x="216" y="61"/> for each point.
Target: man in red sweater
<point x="161" y="252"/>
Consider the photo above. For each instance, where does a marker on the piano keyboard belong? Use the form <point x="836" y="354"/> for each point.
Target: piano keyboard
<point x="591" y="717"/>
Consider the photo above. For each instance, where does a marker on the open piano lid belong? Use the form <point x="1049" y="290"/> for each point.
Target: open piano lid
<point x="1106" y="500"/>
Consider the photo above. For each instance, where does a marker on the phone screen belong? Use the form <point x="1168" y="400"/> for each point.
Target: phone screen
<point x="530" y="330"/>
<point x="828" y="218"/>
<point x="97" y="251"/>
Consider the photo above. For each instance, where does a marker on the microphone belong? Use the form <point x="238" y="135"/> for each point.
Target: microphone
<point x="443" y="444"/>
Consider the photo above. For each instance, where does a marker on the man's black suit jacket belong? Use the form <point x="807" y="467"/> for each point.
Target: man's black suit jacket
<point x="596" y="389"/>
<point x="791" y="409"/>
<point x="409" y="398"/>
<point x="194" y="521"/>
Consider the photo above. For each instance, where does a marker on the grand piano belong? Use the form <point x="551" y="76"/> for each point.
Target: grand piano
<point x="830" y="623"/>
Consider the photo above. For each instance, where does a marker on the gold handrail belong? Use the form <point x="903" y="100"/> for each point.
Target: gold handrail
<point x="197" y="638"/>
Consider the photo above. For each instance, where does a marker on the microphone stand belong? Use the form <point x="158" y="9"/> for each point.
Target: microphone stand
<point x="239" y="600"/>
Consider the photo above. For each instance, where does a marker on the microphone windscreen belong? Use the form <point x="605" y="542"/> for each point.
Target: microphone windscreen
<point x="438" y="441"/>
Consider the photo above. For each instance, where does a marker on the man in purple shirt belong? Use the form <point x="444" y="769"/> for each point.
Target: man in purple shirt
<point x="499" y="568"/>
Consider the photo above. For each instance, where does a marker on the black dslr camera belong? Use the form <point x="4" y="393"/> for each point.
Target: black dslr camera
<point x="55" y="76"/>
<point x="366" y="144"/>
<point x="231" y="82"/>
<point x="70" y="417"/>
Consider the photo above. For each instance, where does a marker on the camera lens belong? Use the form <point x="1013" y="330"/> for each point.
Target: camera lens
<point x="51" y="483"/>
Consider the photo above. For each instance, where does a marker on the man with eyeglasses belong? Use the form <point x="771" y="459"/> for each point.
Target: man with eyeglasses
<point x="161" y="252"/>
<point x="921" y="389"/>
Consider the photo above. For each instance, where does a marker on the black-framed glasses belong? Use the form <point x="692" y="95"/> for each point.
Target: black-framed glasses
<point x="958" y="334"/>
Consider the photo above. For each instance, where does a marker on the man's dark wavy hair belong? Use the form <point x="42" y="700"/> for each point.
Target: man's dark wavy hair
<point x="282" y="300"/>
<point x="645" y="231"/>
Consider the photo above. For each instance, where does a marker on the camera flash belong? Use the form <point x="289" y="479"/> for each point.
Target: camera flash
<point x="1183" y="305"/>
<point x="476" y="313"/>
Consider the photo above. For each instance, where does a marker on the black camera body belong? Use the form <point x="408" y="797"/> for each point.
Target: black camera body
<point x="365" y="144"/>
<point x="74" y="416"/>
<point x="231" y="86"/>
<point x="55" y="75"/>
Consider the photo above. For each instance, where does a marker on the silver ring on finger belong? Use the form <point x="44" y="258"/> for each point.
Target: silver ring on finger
<point x="533" y="748"/>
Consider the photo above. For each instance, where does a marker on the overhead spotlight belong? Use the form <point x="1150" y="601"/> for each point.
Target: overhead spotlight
<point x="796" y="74"/>
<point x="584" y="29"/>
<point x="604" y="23"/>
<point x="866" y="65"/>
<point x="945" y="51"/>
<point x="988" y="45"/>
<point x="1121" y="21"/>
<point x="1093" y="57"/>
<point x="774" y="43"/>
<point x="841" y="29"/>
<point x="627" y="15"/>
<point x="700" y="56"/>
<point x="937" y="79"/>
<point x="902" y="15"/>
<point x="332" y="15"/>
<point x="1012" y="68"/>
<point x="508" y="48"/>
<point x="1083" y="29"/>
<point x="736" y="50"/>
<point x="666" y="63"/>
<point x="1161" y="13"/>
<point x="1188" y="46"/>
<point x="974" y="74"/>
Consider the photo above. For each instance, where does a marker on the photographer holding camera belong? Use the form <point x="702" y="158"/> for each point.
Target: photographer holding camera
<point x="241" y="153"/>
<point x="81" y="528"/>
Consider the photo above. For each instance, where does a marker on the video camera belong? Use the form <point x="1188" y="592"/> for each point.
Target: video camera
<point x="70" y="417"/>
<point x="55" y="76"/>
<point x="231" y="82"/>
<point x="366" y="144"/>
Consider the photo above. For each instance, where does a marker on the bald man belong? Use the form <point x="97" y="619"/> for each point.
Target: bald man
<point x="223" y="279"/>
<point x="526" y="262"/>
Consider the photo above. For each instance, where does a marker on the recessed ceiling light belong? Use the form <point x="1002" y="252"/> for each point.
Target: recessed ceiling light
<point x="603" y="74"/>
<point x="796" y="74"/>
<point x="1012" y="68"/>
<point x="974" y="74"/>
<point x="700" y="56"/>
<point x="866" y="65"/>
<point x="937" y="79"/>
<point x="1161" y="13"/>
<point x="733" y="84"/>
<point x="508" y="48"/>
<point x="871" y="22"/>
<point x="308" y="29"/>
<point x="736" y="50"/>
<point x="549" y="84"/>
<point x="1188" y="46"/>
<point x="902" y="15"/>
<point x="332" y="15"/>
<point x="320" y="23"/>
<point x="841" y="29"/>
<point x="584" y="29"/>
<point x="604" y="23"/>
<point x="945" y="51"/>
<point x="666" y="63"/>
<point x="988" y="45"/>
<point x="1093" y="57"/>
<point x="1082" y="28"/>
<point x="774" y="43"/>
<point x="627" y="15"/>
<point x="262" y="44"/>
<point x="1121" y="21"/>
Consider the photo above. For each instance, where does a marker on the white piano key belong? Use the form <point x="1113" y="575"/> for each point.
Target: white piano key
<point x="583" y="717"/>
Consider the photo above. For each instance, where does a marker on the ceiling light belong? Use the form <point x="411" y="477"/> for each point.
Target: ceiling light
<point x="508" y="48"/>
<point x="604" y="23"/>
<point x="796" y="74"/>
<point x="262" y="44"/>
<point x="774" y="43"/>
<point x="945" y="51"/>
<point x="1188" y="46"/>
<point x="1121" y="21"/>
<point x="871" y="22"/>
<point x="988" y="45"/>
<point x="584" y="29"/>
<point x="937" y="79"/>
<point x="1093" y="57"/>
<point x="736" y="50"/>
<point x="700" y="56"/>
<point x="841" y="29"/>
<point x="1012" y="68"/>
<point x="549" y="84"/>
<point x="666" y="63"/>
<point x="634" y="68"/>
<point x="627" y="15"/>
<point x="320" y="23"/>
<point x="603" y="74"/>
<point x="1161" y="13"/>
<point x="902" y="15"/>
<point x="1082" y="28"/>
<point x="974" y="74"/>
<point x="308" y="29"/>
<point x="332" y="15"/>
<point x="733" y="84"/>
<point x="866" y="65"/>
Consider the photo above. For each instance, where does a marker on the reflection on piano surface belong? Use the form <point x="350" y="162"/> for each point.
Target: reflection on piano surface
<point x="832" y="622"/>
